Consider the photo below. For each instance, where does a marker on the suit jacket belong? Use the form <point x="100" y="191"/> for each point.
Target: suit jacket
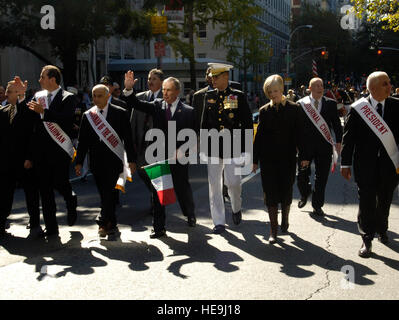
<point x="141" y="122"/>
<point x="101" y="157"/>
<point x="60" y="111"/>
<point x="184" y="115"/>
<point x="120" y="103"/>
<point x="362" y="148"/>
<point x="15" y="136"/>
<point x="198" y="105"/>
<point x="314" y="142"/>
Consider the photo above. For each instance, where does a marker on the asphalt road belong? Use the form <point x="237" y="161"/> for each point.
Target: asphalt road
<point x="313" y="261"/>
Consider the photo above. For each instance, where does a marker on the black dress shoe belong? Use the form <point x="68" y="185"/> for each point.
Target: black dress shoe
<point x="237" y="217"/>
<point x="191" y="221"/>
<point x="302" y="202"/>
<point x="318" y="212"/>
<point x="365" y="250"/>
<point x="219" y="229"/>
<point x="383" y="238"/>
<point x="157" y="234"/>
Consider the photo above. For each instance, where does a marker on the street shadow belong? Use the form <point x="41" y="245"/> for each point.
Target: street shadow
<point x="71" y="257"/>
<point x="197" y="249"/>
<point x="337" y="223"/>
<point x="295" y="257"/>
<point x="137" y="254"/>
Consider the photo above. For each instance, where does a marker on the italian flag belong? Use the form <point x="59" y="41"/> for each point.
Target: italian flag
<point x="161" y="179"/>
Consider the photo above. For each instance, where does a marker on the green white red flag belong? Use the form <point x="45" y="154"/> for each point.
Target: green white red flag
<point x="161" y="179"/>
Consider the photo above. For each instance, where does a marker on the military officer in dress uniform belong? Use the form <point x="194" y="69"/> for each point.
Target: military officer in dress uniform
<point x="225" y="109"/>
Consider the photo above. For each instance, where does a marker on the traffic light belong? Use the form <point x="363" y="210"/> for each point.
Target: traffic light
<point x="324" y="54"/>
<point x="379" y="52"/>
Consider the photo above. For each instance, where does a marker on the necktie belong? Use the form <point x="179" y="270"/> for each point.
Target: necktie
<point x="101" y="111"/>
<point x="379" y="109"/>
<point x="151" y="97"/>
<point x="13" y="111"/>
<point x="316" y="104"/>
<point x="169" y="112"/>
<point x="49" y="99"/>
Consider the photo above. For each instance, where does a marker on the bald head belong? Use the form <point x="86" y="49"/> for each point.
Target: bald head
<point x="101" y="95"/>
<point x="379" y="85"/>
<point x="316" y="87"/>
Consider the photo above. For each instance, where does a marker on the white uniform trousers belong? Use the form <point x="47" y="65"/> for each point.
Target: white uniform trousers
<point x="233" y="183"/>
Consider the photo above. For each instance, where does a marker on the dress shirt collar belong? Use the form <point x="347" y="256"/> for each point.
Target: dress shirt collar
<point x="375" y="102"/>
<point x="313" y="100"/>
<point x="54" y="93"/>
<point x="173" y="107"/>
<point x="105" y="111"/>
<point x="156" y="93"/>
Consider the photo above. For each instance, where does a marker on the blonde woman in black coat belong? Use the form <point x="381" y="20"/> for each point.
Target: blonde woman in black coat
<point x="278" y="138"/>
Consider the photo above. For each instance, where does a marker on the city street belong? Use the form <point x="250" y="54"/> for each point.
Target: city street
<point x="308" y="263"/>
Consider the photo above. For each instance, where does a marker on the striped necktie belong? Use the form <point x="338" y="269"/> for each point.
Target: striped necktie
<point x="316" y="104"/>
<point x="49" y="96"/>
<point x="13" y="112"/>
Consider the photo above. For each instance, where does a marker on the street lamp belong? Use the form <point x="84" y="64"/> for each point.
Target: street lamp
<point x="288" y="45"/>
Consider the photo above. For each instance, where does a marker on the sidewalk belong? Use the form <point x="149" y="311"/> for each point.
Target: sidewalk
<point x="193" y="263"/>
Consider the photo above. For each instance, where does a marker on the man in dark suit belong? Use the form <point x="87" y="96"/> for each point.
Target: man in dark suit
<point x="50" y="159"/>
<point x="104" y="163"/>
<point x="163" y="111"/>
<point x="375" y="173"/>
<point x="317" y="148"/>
<point x="16" y="127"/>
<point x="141" y="122"/>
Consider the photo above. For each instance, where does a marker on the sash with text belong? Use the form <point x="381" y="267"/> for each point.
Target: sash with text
<point x="321" y="125"/>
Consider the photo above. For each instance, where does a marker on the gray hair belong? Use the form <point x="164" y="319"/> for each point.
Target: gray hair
<point x="101" y="86"/>
<point x="374" y="78"/>
<point x="175" y="81"/>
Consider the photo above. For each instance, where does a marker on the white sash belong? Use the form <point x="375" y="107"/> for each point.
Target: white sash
<point x="54" y="130"/>
<point x="111" y="139"/>
<point x="321" y="125"/>
<point x="380" y="129"/>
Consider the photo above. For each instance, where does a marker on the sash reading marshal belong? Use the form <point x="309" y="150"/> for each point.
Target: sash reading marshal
<point x="380" y="129"/>
<point x="321" y="125"/>
<point x="54" y="130"/>
<point x="111" y="139"/>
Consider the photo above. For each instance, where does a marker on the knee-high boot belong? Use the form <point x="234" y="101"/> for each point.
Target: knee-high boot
<point x="273" y="224"/>
<point x="285" y="210"/>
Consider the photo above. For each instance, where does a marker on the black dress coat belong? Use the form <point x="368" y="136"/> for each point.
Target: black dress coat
<point x="279" y="135"/>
